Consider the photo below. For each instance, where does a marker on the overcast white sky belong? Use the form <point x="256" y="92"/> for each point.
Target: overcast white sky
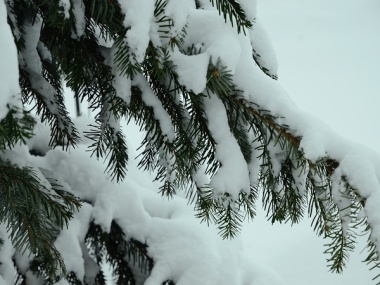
<point x="329" y="58"/>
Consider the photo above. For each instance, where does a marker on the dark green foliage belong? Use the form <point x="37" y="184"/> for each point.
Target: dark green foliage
<point x="232" y="10"/>
<point x="34" y="213"/>
<point x="121" y="253"/>
<point x="110" y="143"/>
<point x="15" y="129"/>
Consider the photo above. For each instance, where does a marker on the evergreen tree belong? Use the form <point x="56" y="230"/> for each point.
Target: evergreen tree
<point x="197" y="78"/>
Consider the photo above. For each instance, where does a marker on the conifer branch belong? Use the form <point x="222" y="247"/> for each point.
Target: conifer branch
<point x="15" y="128"/>
<point x="34" y="215"/>
<point x="233" y="11"/>
<point x="120" y="252"/>
<point x="281" y="194"/>
<point x="51" y="108"/>
<point x="110" y="144"/>
<point x="257" y="58"/>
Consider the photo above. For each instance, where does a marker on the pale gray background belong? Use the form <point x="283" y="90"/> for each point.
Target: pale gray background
<point x="329" y="62"/>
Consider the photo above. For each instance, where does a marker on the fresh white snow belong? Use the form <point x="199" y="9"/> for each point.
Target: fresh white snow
<point x="183" y="249"/>
<point x="139" y="17"/>
<point x="9" y="86"/>
<point x="232" y="177"/>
